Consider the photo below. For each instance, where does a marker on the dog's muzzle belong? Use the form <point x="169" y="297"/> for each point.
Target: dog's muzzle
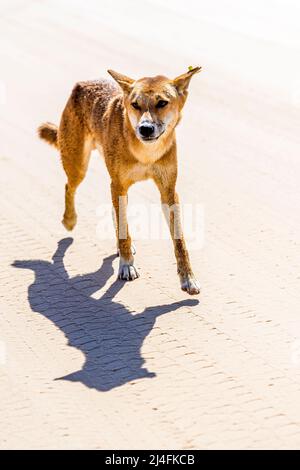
<point x="148" y="131"/>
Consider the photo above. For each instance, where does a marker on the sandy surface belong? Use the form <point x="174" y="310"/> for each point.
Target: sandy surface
<point x="139" y="365"/>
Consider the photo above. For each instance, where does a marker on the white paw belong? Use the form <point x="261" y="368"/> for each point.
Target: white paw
<point x="190" y="285"/>
<point x="127" y="272"/>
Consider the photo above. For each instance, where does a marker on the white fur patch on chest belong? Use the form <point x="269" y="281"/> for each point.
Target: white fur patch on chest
<point x="100" y="149"/>
<point x="139" y="172"/>
<point x="148" y="153"/>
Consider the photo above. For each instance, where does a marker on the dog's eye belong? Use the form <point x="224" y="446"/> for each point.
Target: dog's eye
<point x="135" y="105"/>
<point x="161" y="104"/>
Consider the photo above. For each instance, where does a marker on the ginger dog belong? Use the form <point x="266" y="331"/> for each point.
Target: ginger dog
<point x="133" y="125"/>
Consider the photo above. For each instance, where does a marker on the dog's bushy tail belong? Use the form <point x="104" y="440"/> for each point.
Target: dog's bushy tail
<point x="48" y="132"/>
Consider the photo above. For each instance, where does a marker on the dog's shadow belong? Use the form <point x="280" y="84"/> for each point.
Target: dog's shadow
<point x="108" y="333"/>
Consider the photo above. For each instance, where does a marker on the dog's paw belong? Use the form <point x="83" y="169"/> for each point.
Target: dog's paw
<point x="190" y="285"/>
<point x="127" y="272"/>
<point x="69" y="223"/>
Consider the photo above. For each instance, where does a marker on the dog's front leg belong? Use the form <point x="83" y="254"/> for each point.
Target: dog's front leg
<point x="171" y="209"/>
<point x="127" y="270"/>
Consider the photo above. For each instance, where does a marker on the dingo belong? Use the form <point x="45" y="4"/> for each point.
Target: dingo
<point x="133" y="125"/>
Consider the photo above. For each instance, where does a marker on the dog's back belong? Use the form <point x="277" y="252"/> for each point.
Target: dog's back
<point x="86" y="106"/>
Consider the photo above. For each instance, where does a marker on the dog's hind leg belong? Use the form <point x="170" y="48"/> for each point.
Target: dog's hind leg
<point x="75" y="175"/>
<point x="75" y="149"/>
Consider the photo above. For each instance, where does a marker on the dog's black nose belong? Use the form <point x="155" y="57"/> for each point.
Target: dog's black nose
<point x="146" y="129"/>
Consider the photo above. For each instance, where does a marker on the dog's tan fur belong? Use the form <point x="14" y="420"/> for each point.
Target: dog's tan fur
<point x="100" y="114"/>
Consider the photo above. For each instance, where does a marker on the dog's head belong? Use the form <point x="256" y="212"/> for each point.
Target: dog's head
<point x="153" y="104"/>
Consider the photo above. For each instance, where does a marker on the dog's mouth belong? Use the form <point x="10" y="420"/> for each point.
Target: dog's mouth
<point x="149" y="139"/>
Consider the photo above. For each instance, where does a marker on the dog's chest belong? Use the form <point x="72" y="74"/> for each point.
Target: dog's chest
<point x="139" y="172"/>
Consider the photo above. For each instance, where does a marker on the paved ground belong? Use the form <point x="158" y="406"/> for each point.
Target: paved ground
<point x="87" y="362"/>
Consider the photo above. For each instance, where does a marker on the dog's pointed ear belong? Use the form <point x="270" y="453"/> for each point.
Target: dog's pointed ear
<point x="181" y="83"/>
<point x="124" y="82"/>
